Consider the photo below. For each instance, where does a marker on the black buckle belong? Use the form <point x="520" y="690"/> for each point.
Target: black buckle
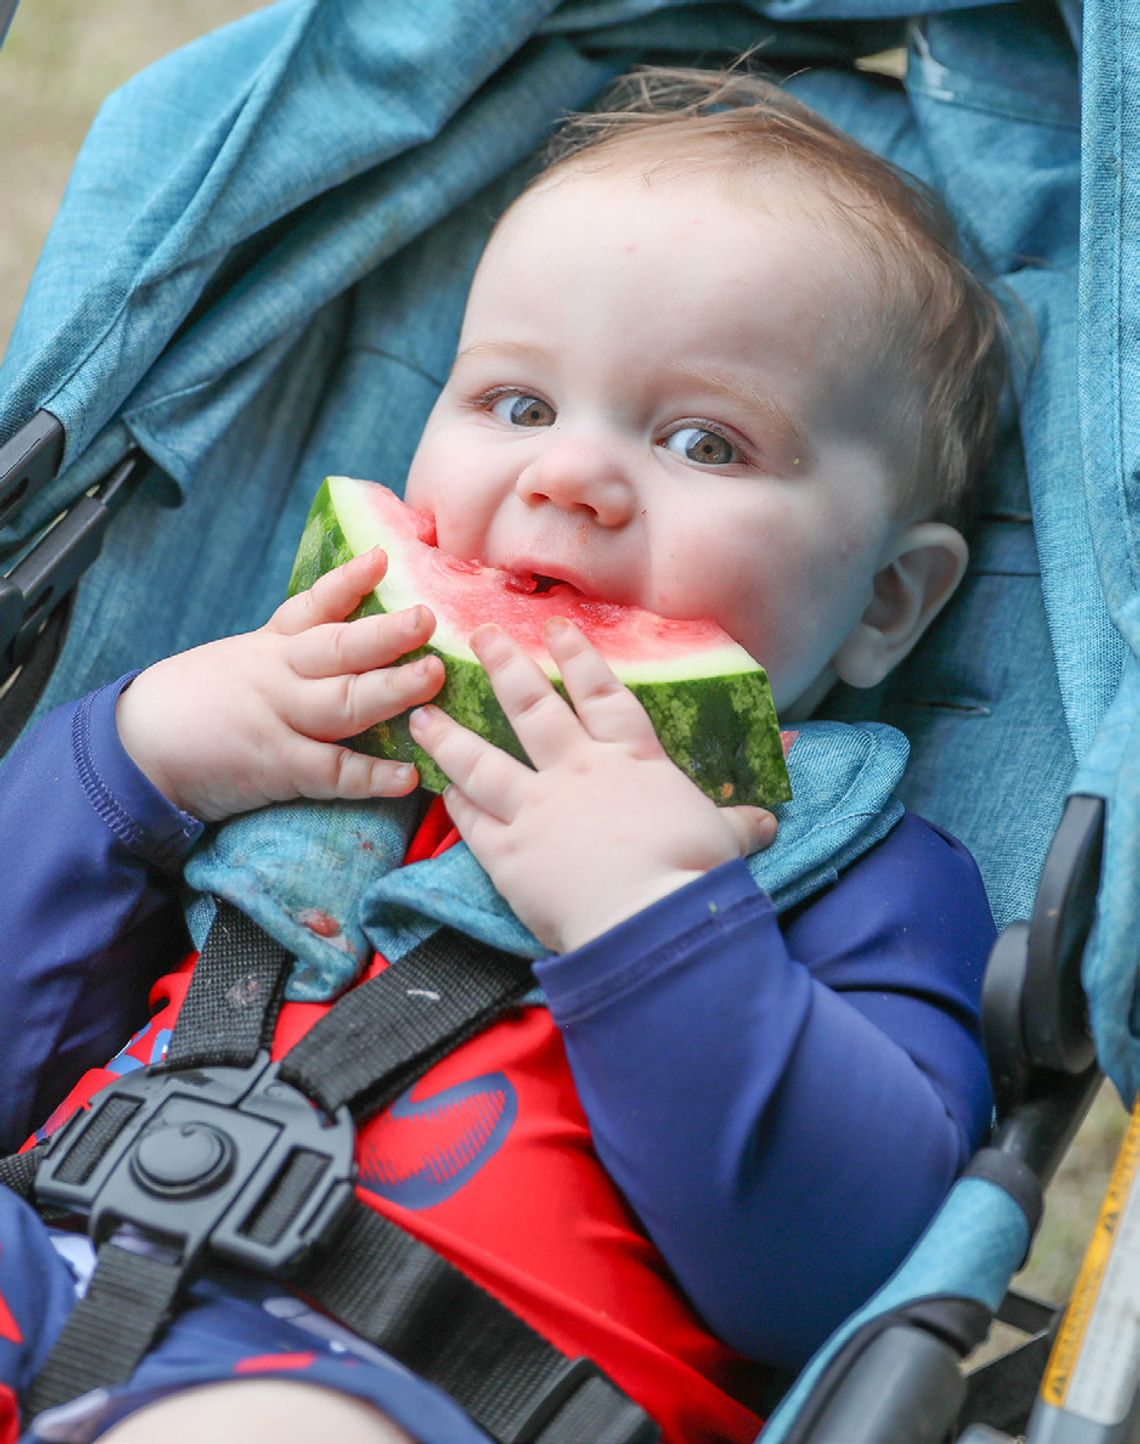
<point x="233" y="1160"/>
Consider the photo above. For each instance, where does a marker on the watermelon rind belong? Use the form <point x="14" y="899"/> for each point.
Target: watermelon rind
<point x="713" y="713"/>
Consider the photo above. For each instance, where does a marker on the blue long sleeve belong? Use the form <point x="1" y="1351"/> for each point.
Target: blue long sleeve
<point x="785" y="1102"/>
<point x="89" y="854"/>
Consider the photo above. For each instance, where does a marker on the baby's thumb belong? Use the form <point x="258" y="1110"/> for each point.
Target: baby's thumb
<point x="755" y="827"/>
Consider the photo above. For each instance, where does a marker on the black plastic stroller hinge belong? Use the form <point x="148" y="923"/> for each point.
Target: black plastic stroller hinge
<point x="45" y="576"/>
<point x="31" y="458"/>
<point x="1057" y="1032"/>
<point x="896" y="1378"/>
<point x="1034" y="1013"/>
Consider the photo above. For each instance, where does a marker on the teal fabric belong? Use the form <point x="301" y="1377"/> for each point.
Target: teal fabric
<point x="326" y="881"/>
<point x="1108" y="388"/>
<point x="977" y="1241"/>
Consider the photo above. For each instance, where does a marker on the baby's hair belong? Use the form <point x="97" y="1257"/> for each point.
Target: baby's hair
<point x="942" y="337"/>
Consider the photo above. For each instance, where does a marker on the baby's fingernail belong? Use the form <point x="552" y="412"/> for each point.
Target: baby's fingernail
<point x="559" y="626"/>
<point x="420" y="716"/>
<point x="413" y="619"/>
<point x="403" y="774"/>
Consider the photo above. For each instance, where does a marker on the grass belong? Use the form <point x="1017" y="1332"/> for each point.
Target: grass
<point x="61" y="58"/>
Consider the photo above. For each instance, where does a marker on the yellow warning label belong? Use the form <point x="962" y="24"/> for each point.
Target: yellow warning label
<point x="1070" y="1340"/>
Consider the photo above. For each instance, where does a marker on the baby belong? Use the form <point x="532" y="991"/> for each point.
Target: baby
<point x="718" y="362"/>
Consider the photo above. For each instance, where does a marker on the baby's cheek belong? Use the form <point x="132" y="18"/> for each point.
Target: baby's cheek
<point x="422" y="484"/>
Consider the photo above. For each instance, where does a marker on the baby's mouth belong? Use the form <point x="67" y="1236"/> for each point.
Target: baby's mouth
<point x="536" y="583"/>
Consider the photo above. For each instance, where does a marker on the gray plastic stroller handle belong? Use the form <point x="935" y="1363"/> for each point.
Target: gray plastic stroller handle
<point x="31" y="458"/>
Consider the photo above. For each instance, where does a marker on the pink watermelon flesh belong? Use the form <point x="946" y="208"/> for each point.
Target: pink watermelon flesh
<point x="472" y="594"/>
<point x="708" y="700"/>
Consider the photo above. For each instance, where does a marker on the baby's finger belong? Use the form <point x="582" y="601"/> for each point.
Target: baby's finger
<point x="325" y="771"/>
<point x="755" y="827"/>
<point x="493" y="780"/>
<point x="338" y="648"/>
<point x="478" y="829"/>
<point x="332" y="596"/>
<point x="334" y="707"/>
<point x="543" y="723"/>
<point x="606" y="707"/>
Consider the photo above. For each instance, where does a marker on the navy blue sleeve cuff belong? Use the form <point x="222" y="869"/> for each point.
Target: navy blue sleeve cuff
<point x="127" y="801"/>
<point x="664" y="935"/>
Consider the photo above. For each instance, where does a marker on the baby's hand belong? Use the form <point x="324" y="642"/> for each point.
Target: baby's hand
<point x="605" y="823"/>
<point x="255" y="718"/>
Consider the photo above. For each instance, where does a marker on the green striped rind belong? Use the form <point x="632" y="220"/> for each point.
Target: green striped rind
<point x="721" y="730"/>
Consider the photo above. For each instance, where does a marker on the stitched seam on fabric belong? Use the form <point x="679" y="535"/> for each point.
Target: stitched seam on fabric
<point x="132" y="414"/>
<point x="663" y="958"/>
<point x="852" y="786"/>
<point x="116" y="818"/>
<point x="983" y="107"/>
<point x="836" y="822"/>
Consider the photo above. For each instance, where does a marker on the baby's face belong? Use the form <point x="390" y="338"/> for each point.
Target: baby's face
<point x="658" y="398"/>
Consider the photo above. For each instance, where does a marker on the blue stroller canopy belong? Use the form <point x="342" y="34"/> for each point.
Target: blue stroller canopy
<point x="258" y="273"/>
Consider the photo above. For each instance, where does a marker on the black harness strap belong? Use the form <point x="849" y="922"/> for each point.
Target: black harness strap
<point x="217" y="1083"/>
<point x="402" y="1296"/>
<point x="18" y="1171"/>
<point x="231" y="1005"/>
<point x="383" y="1035"/>
<point x="131" y="1295"/>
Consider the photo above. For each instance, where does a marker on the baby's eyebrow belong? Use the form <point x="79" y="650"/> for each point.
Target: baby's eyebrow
<point x="743" y="386"/>
<point x="523" y="350"/>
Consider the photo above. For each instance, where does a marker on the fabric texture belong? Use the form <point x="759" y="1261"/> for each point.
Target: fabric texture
<point x="1108" y="392"/>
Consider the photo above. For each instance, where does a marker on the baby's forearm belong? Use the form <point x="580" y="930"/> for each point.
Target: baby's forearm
<point x="781" y="1149"/>
<point x="89" y="854"/>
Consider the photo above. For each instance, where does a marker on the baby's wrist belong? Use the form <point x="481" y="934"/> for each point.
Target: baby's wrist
<point x="141" y="815"/>
<point x="609" y="913"/>
<point x="137" y="744"/>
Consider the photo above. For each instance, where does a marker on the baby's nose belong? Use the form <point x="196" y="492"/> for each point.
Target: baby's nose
<point x="576" y="474"/>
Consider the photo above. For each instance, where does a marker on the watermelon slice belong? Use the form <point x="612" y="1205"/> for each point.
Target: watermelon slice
<point x="708" y="700"/>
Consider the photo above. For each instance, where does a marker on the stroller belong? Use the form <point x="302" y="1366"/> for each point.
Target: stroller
<point x="281" y="303"/>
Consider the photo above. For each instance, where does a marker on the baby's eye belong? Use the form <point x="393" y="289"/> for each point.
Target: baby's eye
<point x="522" y="410"/>
<point x="697" y="443"/>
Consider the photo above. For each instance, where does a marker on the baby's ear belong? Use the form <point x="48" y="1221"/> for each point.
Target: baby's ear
<point x="924" y="566"/>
